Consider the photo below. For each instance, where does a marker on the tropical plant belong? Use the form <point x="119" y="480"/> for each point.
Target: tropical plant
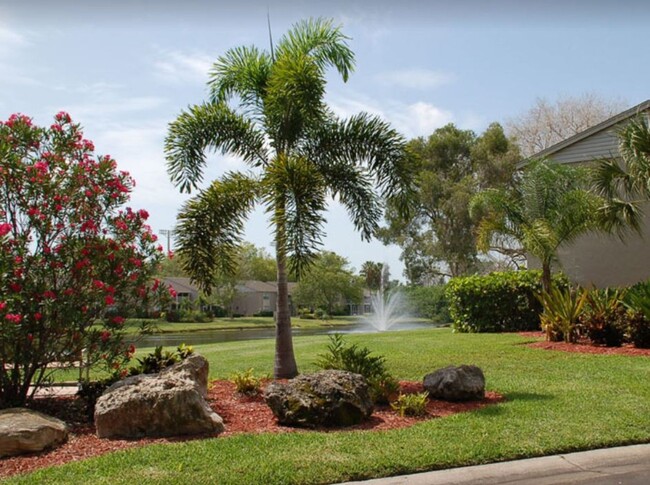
<point x="562" y="311"/>
<point x="604" y="319"/>
<point x="625" y="186"/>
<point x="352" y="358"/>
<point x="74" y="261"/>
<point x="411" y="404"/>
<point x="268" y="110"/>
<point x="547" y="208"/>
<point x="246" y="383"/>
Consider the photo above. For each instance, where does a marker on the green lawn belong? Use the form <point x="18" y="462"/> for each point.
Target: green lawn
<point x="556" y="402"/>
<point x="161" y="326"/>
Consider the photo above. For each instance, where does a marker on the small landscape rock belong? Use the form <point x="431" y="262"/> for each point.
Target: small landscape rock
<point x="463" y="383"/>
<point x="326" y="398"/>
<point x="26" y="431"/>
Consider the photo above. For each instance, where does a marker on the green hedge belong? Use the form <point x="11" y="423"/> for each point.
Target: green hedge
<point x="498" y="302"/>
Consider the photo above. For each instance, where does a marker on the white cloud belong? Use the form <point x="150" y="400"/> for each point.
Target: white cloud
<point x="180" y="67"/>
<point x="10" y="39"/>
<point x="415" y="78"/>
<point x="416" y="119"/>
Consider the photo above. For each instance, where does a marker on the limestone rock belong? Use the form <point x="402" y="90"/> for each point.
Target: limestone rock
<point x="170" y="403"/>
<point x="326" y="398"/>
<point x="26" y="431"/>
<point x="463" y="383"/>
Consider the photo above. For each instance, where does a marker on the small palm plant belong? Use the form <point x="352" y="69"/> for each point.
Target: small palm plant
<point x="561" y="315"/>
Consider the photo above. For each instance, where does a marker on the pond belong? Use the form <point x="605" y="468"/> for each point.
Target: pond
<point x="214" y="336"/>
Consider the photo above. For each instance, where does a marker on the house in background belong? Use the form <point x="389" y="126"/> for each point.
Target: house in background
<point x="600" y="259"/>
<point x="252" y="297"/>
<point x="185" y="290"/>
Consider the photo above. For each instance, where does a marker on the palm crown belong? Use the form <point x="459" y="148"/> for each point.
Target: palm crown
<point x="268" y="110"/>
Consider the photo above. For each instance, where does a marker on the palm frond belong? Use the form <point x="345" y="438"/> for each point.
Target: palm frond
<point x="242" y="71"/>
<point x="321" y="41"/>
<point x="295" y="196"/>
<point x="210" y="226"/>
<point x="209" y="126"/>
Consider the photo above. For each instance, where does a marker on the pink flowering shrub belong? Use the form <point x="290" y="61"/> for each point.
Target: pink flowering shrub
<point x="74" y="261"/>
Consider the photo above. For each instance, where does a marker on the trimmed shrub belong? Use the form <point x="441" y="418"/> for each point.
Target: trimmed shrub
<point x="498" y="302"/>
<point x="429" y="302"/>
<point x="638" y="329"/>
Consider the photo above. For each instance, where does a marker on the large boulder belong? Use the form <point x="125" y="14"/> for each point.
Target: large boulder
<point x="463" y="383"/>
<point x="26" y="431"/>
<point x="326" y="398"/>
<point x="170" y="403"/>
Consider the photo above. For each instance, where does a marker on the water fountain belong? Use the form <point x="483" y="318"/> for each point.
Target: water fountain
<point x="387" y="305"/>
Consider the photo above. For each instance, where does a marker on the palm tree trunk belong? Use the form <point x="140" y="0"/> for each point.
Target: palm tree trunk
<point x="285" y="361"/>
<point x="546" y="276"/>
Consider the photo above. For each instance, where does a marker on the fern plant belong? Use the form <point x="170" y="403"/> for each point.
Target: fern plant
<point x="246" y="383"/>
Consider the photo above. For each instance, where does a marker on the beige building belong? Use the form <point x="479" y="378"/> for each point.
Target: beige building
<point x="599" y="259"/>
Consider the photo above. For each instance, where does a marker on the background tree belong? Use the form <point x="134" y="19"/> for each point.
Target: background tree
<point x="329" y="284"/>
<point x="254" y="263"/>
<point x="74" y="262"/>
<point x="268" y="110"/>
<point x="453" y="165"/>
<point x="547" y="123"/>
<point x="625" y="184"/>
<point x="547" y="208"/>
<point x="372" y="274"/>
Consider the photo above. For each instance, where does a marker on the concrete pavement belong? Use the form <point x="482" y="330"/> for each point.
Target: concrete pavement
<point x="626" y="465"/>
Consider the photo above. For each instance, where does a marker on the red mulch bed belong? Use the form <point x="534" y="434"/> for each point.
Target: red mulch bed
<point x="241" y="414"/>
<point x="584" y="347"/>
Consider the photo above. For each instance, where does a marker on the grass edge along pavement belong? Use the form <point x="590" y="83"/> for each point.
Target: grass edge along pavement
<point x="557" y="402"/>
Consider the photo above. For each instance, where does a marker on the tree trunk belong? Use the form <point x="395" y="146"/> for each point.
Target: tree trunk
<point x="546" y="276"/>
<point x="285" y="361"/>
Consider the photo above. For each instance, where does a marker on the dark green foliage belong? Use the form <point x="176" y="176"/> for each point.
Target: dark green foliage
<point x="639" y="330"/>
<point x="498" y="302"/>
<point x="90" y="391"/>
<point x="264" y="313"/>
<point x="429" y="302"/>
<point x="352" y="358"/>
<point x="605" y="319"/>
<point x="159" y="359"/>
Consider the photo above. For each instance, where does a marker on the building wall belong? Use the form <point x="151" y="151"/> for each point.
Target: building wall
<point x="603" y="144"/>
<point x="602" y="260"/>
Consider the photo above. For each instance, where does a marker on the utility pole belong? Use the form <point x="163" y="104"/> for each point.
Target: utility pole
<point x="169" y="233"/>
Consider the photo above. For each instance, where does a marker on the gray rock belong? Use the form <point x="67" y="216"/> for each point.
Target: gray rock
<point x="326" y="398"/>
<point x="170" y="403"/>
<point x="463" y="383"/>
<point x="26" y="431"/>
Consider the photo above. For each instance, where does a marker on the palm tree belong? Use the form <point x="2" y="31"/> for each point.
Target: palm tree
<point x="267" y="108"/>
<point x="548" y="207"/>
<point x="625" y="186"/>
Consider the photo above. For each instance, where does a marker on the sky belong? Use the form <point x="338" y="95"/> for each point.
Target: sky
<point x="125" y="70"/>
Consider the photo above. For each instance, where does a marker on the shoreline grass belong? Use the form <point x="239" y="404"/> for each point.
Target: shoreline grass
<point x="556" y="402"/>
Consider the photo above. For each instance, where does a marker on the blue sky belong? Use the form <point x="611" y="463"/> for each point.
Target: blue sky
<point x="124" y="70"/>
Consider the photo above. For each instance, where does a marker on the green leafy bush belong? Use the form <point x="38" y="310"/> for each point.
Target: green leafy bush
<point x="411" y="404"/>
<point x="352" y="358"/>
<point x="605" y="318"/>
<point x="246" y="383"/>
<point x="498" y="302"/>
<point x="429" y="302"/>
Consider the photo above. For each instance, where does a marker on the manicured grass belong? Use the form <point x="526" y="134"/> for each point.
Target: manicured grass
<point x="556" y="402"/>
<point x="161" y="326"/>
